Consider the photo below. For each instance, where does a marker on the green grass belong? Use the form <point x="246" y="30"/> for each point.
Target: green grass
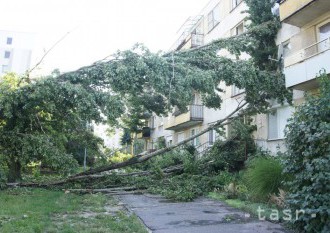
<point x="247" y="206"/>
<point x="38" y="210"/>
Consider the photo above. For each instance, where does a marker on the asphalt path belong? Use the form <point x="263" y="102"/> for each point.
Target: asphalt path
<point x="202" y="215"/>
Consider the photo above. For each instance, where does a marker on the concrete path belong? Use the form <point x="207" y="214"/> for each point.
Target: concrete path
<point x="202" y="215"/>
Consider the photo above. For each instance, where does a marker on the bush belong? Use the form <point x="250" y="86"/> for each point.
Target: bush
<point x="119" y="157"/>
<point x="264" y="177"/>
<point x="308" y="159"/>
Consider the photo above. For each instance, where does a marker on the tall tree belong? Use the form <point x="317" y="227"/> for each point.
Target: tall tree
<point x="40" y="116"/>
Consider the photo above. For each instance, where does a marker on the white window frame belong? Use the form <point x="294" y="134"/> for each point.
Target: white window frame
<point x="282" y="117"/>
<point x="284" y="45"/>
<point x="7" y="54"/>
<point x="213" y="18"/>
<point x="322" y="47"/>
<point x="234" y="30"/>
<point x="4" y="68"/>
<point x="212" y="137"/>
<point x="235" y="3"/>
<point x="195" y="142"/>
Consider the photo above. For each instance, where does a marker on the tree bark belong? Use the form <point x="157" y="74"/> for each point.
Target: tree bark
<point x="14" y="170"/>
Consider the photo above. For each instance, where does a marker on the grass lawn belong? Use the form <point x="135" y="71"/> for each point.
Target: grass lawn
<point x="39" y="210"/>
<point x="250" y="207"/>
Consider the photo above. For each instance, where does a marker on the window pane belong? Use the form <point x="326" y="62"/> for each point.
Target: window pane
<point x="7" y="54"/>
<point x="286" y="48"/>
<point x="210" y="21"/>
<point x="5" y="68"/>
<point x="240" y="29"/>
<point x="216" y="15"/>
<point x="234" y="3"/>
<point x="180" y="137"/>
<point x="283" y="115"/>
<point x="324" y="34"/>
<point x="9" y="40"/>
<point x="272" y="126"/>
<point x="211" y="137"/>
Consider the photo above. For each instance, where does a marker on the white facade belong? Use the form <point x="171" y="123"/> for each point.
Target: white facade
<point x="15" y="51"/>
<point x="222" y="19"/>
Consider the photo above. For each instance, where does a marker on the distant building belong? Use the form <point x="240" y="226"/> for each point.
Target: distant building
<point x="15" y="51"/>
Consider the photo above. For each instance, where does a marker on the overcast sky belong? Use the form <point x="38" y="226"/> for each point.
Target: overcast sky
<point x="96" y="28"/>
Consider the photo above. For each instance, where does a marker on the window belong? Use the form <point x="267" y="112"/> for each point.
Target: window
<point x="180" y="137"/>
<point x="277" y="121"/>
<point x="324" y="35"/>
<point x="236" y="91"/>
<point x="213" y="18"/>
<point x="286" y="48"/>
<point x="235" y="3"/>
<point x="4" y="68"/>
<point x="169" y="140"/>
<point x="238" y="30"/>
<point x="7" y="54"/>
<point x="9" y="40"/>
<point x="197" y="36"/>
<point x="195" y="141"/>
<point x="152" y="122"/>
<point x="212" y="137"/>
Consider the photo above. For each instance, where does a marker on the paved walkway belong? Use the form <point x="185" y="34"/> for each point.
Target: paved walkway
<point x="202" y="215"/>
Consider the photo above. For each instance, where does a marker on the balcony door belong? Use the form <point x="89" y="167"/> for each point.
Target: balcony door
<point x="324" y="35"/>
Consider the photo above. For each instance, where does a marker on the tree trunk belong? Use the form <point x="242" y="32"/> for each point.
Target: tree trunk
<point x="142" y="158"/>
<point x="14" y="171"/>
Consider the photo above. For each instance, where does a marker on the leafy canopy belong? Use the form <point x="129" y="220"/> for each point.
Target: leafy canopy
<point x="39" y="117"/>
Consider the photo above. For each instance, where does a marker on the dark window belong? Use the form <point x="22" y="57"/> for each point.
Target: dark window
<point x="7" y="54"/>
<point x="9" y="40"/>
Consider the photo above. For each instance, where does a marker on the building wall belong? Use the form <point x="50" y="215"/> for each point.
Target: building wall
<point x="270" y="127"/>
<point x="20" y="50"/>
<point x="229" y="18"/>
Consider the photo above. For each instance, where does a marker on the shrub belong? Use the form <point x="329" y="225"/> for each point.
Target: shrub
<point x="264" y="177"/>
<point x="308" y="159"/>
<point x="231" y="154"/>
<point x="119" y="157"/>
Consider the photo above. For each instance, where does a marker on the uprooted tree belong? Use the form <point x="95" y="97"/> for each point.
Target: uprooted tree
<point x="38" y="118"/>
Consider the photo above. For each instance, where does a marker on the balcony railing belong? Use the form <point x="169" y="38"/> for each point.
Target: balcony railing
<point x="308" y="52"/>
<point x="302" y="67"/>
<point x="179" y="121"/>
<point x="196" y="112"/>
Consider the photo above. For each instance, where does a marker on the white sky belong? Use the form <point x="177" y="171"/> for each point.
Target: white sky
<point x="97" y="27"/>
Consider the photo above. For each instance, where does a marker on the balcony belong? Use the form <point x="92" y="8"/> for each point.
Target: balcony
<point x="146" y="132"/>
<point x="301" y="68"/>
<point x="301" y="12"/>
<point x="185" y="120"/>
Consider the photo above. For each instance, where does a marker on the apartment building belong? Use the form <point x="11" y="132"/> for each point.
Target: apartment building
<point x="303" y="42"/>
<point x="304" y="48"/>
<point x="15" y="51"/>
<point x="218" y="19"/>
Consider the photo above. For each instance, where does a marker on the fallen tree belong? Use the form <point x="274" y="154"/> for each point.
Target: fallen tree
<point x="142" y="158"/>
<point x="37" y="118"/>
